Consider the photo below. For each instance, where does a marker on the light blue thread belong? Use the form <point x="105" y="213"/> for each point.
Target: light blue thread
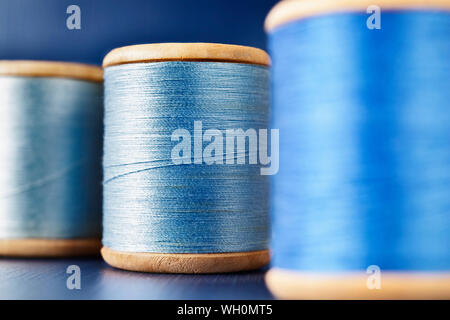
<point x="364" y="119"/>
<point x="50" y="158"/>
<point x="152" y="205"/>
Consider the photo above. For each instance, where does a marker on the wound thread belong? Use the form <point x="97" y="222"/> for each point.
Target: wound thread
<point x="50" y="167"/>
<point x="152" y="204"/>
<point x="364" y="146"/>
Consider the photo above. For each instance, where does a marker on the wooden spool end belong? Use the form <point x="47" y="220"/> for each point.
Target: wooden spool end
<point x="186" y="262"/>
<point x="286" y="284"/>
<point x="292" y="10"/>
<point x="213" y="52"/>
<point x="35" y="68"/>
<point x="49" y="248"/>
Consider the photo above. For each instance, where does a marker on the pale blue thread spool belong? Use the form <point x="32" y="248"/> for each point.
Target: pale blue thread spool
<point x="364" y="149"/>
<point x="50" y="160"/>
<point x="189" y="218"/>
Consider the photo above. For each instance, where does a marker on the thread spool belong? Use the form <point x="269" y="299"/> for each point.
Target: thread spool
<point x="50" y="177"/>
<point x="364" y="150"/>
<point x="188" y="218"/>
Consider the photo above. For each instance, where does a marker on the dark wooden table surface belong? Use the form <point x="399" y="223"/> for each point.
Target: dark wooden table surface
<point x="46" y="279"/>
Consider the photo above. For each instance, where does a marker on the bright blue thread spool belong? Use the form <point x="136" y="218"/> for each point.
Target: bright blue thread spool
<point x="50" y="160"/>
<point x="182" y="218"/>
<point x="364" y="149"/>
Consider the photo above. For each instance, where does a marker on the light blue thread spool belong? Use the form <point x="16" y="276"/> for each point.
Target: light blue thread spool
<point x="364" y="150"/>
<point x="50" y="159"/>
<point x="187" y="218"/>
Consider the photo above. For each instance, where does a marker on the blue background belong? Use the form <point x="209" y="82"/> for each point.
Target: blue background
<point x="36" y="29"/>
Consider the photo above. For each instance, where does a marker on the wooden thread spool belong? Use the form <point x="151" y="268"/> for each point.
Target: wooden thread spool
<point x="185" y="262"/>
<point x="52" y="246"/>
<point x="305" y="284"/>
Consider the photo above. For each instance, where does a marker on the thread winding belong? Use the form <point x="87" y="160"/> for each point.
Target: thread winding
<point x="50" y="133"/>
<point x="151" y="204"/>
<point x="364" y="173"/>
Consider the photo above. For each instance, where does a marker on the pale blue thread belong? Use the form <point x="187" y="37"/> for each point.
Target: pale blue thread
<point x="50" y="158"/>
<point x="152" y="205"/>
<point x="364" y="119"/>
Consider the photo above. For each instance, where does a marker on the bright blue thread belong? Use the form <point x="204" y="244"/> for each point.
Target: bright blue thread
<point x="364" y="142"/>
<point x="152" y="205"/>
<point x="50" y="159"/>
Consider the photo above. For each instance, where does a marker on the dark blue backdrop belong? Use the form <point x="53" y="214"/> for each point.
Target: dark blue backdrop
<point x="36" y="29"/>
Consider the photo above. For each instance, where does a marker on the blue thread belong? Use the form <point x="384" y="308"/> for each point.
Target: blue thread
<point x="50" y="176"/>
<point x="152" y="205"/>
<point x="364" y="142"/>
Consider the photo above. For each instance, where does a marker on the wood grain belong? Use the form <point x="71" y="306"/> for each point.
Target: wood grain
<point x="288" y="11"/>
<point x="186" y="262"/>
<point x="186" y="52"/>
<point x="286" y="284"/>
<point x="34" y="68"/>
<point x="49" y="247"/>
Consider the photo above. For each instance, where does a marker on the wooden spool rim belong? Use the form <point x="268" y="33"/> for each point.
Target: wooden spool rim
<point x="49" y="248"/>
<point x="35" y="68"/>
<point x="286" y="284"/>
<point x="158" y="52"/>
<point x="186" y="262"/>
<point x="291" y="10"/>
